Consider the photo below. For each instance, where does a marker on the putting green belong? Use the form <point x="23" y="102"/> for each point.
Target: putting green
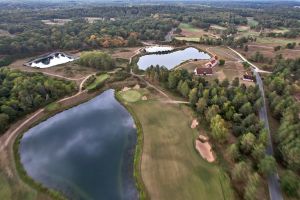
<point x="131" y="95"/>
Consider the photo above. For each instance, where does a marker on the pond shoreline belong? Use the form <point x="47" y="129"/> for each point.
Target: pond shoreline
<point x="54" y="193"/>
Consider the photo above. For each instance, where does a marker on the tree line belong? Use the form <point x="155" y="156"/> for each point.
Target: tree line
<point x="22" y="93"/>
<point x="281" y="87"/>
<point x="230" y="110"/>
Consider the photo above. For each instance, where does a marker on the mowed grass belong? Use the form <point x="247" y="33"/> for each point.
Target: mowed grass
<point x="99" y="79"/>
<point x="131" y="95"/>
<point x="171" y="168"/>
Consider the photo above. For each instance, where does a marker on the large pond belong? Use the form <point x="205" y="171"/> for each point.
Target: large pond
<point x="85" y="152"/>
<point x="170" y="60"/>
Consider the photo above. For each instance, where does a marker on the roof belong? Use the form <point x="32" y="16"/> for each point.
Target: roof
<point x="202" y="70"/>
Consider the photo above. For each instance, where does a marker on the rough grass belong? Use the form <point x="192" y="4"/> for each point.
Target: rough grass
<point x="99" y="79"/>
<point x="131" y="95"/>
<point x="5" y="190"/>
<point x="171" y="168"/>
<point x="52" y="107"/>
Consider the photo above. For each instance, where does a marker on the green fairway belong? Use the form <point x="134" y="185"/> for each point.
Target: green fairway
<point x="131" y="95"/>
<point x="99" y="79"/>
<point x="171" y="168"/>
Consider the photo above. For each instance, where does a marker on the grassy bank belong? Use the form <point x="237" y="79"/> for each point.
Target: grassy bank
<point x="143" y="194"/>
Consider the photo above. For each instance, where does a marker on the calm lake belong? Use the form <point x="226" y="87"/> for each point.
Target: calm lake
<point x="170" y="60"/>
<point x="85" y="152"/>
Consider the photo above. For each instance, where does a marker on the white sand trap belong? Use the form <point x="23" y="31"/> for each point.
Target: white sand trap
<point x="55" y="60"/>
<point x="125" y="89"/>
<point x="194" y="124"/>
<point x="205" y="150"/>
<point x="154" y="49"/>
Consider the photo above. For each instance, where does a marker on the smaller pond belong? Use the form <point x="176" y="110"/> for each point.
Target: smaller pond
<point x="154" y="49"/>
<point x="170" y="60"/>
<point x="51" y="60"/>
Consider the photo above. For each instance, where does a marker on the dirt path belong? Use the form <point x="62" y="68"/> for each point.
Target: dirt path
<point x="245" y="60"/>
<point x="63" y="77"/>
<point x="12" y="135"/>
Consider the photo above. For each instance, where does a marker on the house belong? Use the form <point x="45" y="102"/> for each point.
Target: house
<point x="201" y="71"/>
<point x="248" y="77"/>
<point x="213" y="62"/>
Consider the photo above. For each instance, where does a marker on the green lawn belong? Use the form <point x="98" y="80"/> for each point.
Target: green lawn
<point x="131" y="95"/>
<point x="171" y="168"/>
<point x="99" y="79"/>
<point x="188" y="27"/>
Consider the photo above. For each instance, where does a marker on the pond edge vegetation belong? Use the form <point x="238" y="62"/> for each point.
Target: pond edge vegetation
<point x="137" y="172"/>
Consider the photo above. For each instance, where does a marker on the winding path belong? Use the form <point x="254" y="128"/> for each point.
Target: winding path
<point x="273" y="180"/>
<point x="23" y="124"/>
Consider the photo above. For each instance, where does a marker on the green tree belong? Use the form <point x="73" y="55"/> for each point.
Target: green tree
<point x="201" y="105"/>
<point x="219" y="130"/>
<point x="247" y="142"/>
<point x="193" y="96"/>
<point x="246" y="109"/>
<point x="221" y="62"/>
<point x="241" y="171"/>
<point x="290" y="184"/>
<point x="233" y="152"/>
<point x="185" y="89"/>
<point x="253" y="187"/>
<point x="267" y="165"/>
<point x="4" y="119"/>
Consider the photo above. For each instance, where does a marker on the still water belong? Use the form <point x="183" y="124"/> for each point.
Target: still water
<point x="170" y="60"/>
<point x="85" y="152"/>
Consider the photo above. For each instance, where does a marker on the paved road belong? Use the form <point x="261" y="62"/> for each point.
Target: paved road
<point x="168" y="37"/>
<point x="273" y="180"/>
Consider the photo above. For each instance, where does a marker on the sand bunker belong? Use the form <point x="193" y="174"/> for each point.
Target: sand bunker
<point x="136" y="87"/>
<point x="144" y="98"/>
<point x="194" y="124"/>
<point x="204" y="148"/>
<point x="125" y="89"/>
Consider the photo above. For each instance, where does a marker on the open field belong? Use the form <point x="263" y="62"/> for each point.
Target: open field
<point x="171" y="168"/>
<point x="193" y="34"/>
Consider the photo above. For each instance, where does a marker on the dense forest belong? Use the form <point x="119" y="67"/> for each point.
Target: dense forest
<point x="230" y="110"/>
<point x="22" y="93"/>
<point x="97" y="59"/>
<point x="26" y="31"/>
<point x="281" y="90"/>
